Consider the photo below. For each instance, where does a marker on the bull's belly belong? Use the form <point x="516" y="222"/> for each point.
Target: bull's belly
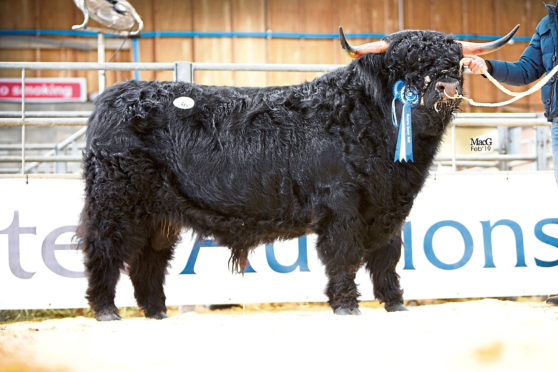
<point x="247" y="231"/>
<point x="237" y="221"/>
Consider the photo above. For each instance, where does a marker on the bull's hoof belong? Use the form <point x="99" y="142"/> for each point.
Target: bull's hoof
<point x="346" y="311"/>
<point x="395" y="307"/>
<point x="160" y="315"/>
<point x="105" y="316"/>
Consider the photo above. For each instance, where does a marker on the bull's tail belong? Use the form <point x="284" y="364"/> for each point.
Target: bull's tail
<point x="238" y="261"/>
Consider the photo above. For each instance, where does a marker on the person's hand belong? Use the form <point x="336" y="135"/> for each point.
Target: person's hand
<point x="476" y="64"/>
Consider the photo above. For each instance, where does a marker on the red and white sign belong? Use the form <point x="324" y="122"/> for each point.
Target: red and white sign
<point x="44" y="89"/>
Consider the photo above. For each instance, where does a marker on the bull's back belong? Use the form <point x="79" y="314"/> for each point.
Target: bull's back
<point x="239" y="152"/>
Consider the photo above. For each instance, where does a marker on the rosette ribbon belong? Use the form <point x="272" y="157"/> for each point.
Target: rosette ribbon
<point x="410" y="98"/>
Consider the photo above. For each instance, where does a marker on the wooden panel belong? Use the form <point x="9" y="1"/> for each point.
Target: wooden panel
<point x="121" y="56"/>
<point x="510" y="14"/>
<point x="477" y="87"/>
<point x="445" y="16"/>
<point x="17" y="14"/>
<point x="374" y="15"/>
<point x="366" y="16"/>
<point x="352" y="22"/>
<point x="57" y="15"/>
<point x="145" y="8"/>
<point x="249" y="15"/>
<point x="317" y="17"/>
<point x="215" y="15"/>
<point x="174" y="15"/>
<point x="91" y="76"/>
<point x="417" y="14"/>
<point x="16" y="55"/>
<point x="284" y="16"/>
<point x="490" y="17"/>
<point x="363" y="16"/>
<point x="390" y="15"/>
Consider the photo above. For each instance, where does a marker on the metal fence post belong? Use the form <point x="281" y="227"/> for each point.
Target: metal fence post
<point x="184" y="71"/>
<point x="504" y="146"/>
<point x="59" y="166"/>
<point x="101" y="59"/>
<point x="515" y="140"/>
<point x="23" y="121"/>
<point x="541" y="140"/>
<point x="453" y="149"/>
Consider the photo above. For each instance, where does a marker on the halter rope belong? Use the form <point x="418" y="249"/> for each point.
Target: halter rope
<point x="517" y="95"/>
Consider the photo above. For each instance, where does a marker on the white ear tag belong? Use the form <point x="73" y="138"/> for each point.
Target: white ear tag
<point x="184" y="103"/>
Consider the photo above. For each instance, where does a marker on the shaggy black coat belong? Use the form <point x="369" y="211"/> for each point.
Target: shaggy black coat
<point x="251" y="165"/>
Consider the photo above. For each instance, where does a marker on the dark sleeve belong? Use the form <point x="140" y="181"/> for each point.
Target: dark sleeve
<point x="527" y="69"/>
<point x="490" y="68"/>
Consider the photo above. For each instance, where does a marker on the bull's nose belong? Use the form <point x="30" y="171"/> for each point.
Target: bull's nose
<point x="449" y="88"/>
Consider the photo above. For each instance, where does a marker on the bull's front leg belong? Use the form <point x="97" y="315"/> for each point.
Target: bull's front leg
<point x="381" y="262"/>
<point x="339" y="249"/>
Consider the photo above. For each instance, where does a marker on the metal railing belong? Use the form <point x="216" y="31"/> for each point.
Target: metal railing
<point x="184" y="71"/>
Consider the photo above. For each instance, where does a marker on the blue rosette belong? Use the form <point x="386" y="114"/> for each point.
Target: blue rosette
<point x="410" y="98"/>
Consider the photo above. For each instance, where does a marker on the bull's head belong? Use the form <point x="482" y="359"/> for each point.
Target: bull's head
<point x="426" y="60"/>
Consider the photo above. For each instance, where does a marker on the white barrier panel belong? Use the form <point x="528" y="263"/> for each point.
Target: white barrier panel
<point x="468" y="235"/>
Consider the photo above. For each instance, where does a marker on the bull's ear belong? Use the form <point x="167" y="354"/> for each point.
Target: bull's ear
<point x="478" y="49"/>
<point x="357" y="51"/>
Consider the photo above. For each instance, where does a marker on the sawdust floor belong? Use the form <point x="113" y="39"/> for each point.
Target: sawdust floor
<point x="480" y="335"/>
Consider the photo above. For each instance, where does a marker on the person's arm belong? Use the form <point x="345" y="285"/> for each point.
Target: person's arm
<point x="527" y="69"/>
<point x="477" y="65"/>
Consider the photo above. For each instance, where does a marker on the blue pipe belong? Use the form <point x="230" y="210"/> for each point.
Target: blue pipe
<point x="135" y="53"/>
<point x="263" y="34"/>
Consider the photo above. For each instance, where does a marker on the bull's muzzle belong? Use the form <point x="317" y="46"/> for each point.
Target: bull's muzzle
<point x="447" y="89"/>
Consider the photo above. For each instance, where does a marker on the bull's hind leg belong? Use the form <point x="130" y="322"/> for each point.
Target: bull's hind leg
<point x="147" y="272"/>
<point x="112" y="239"/>
<point x="110" y="232"/>
<point x="340" y="252"/>
<point x="381" y="263"/>
<point x="103" y="271"/>
<point x="103" y="261"/>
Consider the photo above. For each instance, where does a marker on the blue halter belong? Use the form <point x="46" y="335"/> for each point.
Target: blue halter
<point x="410" y="98"/>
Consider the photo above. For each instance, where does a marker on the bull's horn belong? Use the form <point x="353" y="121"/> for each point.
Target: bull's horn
<point x="478" y="49"/>
<point x="357" y="51"/>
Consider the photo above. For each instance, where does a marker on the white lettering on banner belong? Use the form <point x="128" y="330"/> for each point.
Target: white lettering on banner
<point x="44" y="89"/>
<point x="467" y="236"/>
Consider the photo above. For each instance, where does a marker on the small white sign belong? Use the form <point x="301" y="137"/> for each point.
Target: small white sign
<point x="184" y="103"/>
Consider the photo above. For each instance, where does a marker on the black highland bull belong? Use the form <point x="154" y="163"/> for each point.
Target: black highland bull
<point x="248" y="166"/>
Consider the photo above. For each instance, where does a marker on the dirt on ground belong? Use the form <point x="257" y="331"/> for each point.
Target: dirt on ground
<point x="480" y="335"/>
